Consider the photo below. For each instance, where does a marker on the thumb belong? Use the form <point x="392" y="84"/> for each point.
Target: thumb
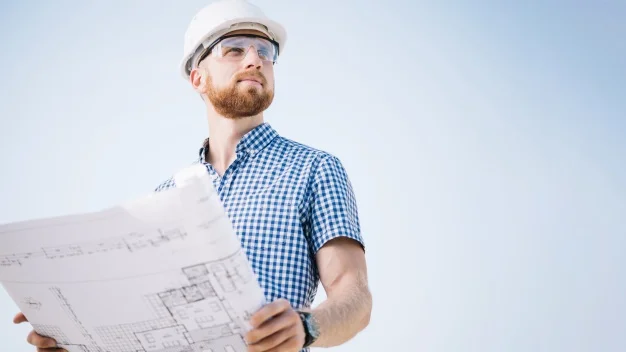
<point x="19" y="318"/>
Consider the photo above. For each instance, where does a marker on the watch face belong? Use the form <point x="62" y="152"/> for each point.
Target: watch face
<point x="312" y="326"/>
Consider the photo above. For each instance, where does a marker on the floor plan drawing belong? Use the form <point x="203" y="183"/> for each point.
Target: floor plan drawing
<point x="161" y="274"/>
<point x="196" y="317"/>
<point x="130" y="242"/>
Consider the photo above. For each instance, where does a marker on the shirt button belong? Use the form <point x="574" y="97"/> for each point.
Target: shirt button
<point x="252" y="151"/>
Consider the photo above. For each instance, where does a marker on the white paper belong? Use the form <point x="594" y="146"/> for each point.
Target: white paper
<point x="165" y="273"/>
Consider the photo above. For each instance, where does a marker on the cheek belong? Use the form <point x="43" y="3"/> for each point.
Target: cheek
<point x="221" y="81"/>
<point x="269" y="76"/>
<point x="221" y="77"/>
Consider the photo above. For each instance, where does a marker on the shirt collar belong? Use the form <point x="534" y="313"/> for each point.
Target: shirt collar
<point x="252" y="142"/>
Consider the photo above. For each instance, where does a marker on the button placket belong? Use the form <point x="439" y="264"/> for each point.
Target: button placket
<point x="229" y="174"/>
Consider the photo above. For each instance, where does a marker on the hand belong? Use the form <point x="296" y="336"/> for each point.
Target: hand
<point x="43" y="344"/>
<point x="276" y="328"/>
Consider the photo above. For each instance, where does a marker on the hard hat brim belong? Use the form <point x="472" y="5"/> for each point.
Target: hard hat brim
<point x="277" y="31"/>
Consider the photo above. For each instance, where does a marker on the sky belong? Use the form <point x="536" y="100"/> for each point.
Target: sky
<point x="484" y="140"/>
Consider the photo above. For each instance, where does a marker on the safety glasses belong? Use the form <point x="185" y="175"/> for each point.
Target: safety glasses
<point x="235" y="48"/>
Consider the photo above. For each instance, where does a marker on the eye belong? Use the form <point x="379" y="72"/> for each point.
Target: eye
<point x="232" y="51"/>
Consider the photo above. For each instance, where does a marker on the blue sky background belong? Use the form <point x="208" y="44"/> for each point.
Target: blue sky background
<point x="485" y="142"/>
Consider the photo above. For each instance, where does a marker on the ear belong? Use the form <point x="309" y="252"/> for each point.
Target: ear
<point x="197" y="78"/>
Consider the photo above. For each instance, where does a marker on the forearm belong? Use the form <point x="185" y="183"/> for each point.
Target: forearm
<point x="341" y="317"/>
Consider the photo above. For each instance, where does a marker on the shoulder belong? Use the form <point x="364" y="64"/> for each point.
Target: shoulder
<point x="320" y="172"/>
<point x="302" y="153"/>
<point x="169" y="182"/>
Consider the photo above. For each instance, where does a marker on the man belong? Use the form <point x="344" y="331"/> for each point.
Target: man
<point x="291" y="205"/>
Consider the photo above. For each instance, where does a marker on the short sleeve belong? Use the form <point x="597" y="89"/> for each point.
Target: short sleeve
<point x="169" y="183"/>
<point x="334" y="210"/>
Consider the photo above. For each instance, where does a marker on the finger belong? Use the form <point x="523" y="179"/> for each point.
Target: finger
<point x="292" y="344"/>
<point x="19" y="318"/>
<point x="40" y="341"/>
<point x="268" y="311"/>
<point x="272" y="326"/>
<point x="275" y="340"/>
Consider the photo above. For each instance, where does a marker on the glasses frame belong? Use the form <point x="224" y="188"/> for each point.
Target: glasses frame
<point x="208" y="50"/>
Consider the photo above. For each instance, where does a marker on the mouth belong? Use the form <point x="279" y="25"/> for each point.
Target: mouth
<point x="250" y="80"/>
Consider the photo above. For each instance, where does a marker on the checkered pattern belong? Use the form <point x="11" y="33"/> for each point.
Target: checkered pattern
<point x="285" y="201"/>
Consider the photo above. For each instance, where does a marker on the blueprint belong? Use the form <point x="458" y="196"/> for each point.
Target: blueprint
<point x="162" y="273"/>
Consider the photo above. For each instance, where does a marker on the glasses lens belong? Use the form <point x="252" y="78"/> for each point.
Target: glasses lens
<point x="235" y="48"/>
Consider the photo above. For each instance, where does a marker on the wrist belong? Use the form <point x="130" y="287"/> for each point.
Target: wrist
<point x="311" y="327"/>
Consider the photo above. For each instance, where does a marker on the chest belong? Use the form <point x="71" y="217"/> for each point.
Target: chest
<point x="266" y="202"/>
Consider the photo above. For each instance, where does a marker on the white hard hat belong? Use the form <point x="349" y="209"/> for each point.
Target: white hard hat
<point x="221" y="17"/>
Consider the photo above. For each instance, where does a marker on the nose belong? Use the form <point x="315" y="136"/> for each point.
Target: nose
<point x="252" y="58"/>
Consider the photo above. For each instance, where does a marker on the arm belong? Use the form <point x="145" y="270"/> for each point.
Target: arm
<point x="348" y="306"/>
<point x="335" y="239"/>
<point x="345" y="312"/>
<point x="339" y="255"/>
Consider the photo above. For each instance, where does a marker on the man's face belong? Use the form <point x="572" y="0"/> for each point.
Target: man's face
<point x="238" y="87"/>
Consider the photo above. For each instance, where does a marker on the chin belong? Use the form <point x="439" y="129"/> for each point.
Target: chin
<point x="254" y="90"/>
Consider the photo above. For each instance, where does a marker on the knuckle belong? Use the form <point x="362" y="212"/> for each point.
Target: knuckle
<point x="286" y="321"/>
<point x="252" y="337"/>
<point x="31" y="338"/>
<point x="298" y="341"/>
<point x="40" y="342"/>
<point x="294" y="316"/>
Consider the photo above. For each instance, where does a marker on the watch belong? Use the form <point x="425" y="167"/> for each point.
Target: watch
<point x="311" y="328"/>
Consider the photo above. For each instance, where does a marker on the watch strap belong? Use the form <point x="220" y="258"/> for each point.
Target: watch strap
<point x="309" y="336"/>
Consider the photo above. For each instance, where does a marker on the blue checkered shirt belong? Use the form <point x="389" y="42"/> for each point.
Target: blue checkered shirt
<point x="285" y="200"/>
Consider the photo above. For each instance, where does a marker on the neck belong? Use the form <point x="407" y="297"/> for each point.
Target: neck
<point x="224" y="134"/>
